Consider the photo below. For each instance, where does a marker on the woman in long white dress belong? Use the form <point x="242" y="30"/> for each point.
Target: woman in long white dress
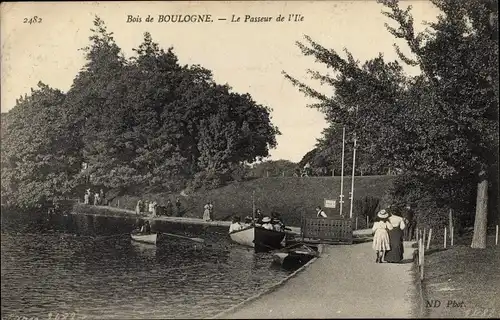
<point x="381" y="242"/>
<point x="206" y="212"/>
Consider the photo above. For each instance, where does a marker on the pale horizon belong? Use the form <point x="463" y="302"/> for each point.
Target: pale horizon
<point x="250" y="57"/>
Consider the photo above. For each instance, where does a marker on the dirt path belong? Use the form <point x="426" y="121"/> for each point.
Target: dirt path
<point x="344" y="282"/>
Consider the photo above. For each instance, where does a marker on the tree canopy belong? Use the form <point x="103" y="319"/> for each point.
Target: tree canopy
<point x="142" y="122"/>
<point x="439" y="127"/>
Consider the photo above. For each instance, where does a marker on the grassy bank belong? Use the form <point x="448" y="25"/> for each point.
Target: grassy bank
<point x="290" y="196"/>
<point x="465" y="281"/>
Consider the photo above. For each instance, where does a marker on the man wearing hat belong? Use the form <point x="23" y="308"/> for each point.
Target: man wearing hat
<point x="266" y="223"/>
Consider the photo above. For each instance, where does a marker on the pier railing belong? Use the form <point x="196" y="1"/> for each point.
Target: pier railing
<point x="328" y="230"/>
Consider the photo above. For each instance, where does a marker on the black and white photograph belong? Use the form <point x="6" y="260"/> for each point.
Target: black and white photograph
<point x="249" y="159"/>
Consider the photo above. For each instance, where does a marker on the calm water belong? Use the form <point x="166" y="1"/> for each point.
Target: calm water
<point x="88" y="266"/>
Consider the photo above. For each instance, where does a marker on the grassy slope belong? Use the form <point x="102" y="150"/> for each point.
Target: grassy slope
<point x="290" y="196"/>
<point x="463" y="274"/>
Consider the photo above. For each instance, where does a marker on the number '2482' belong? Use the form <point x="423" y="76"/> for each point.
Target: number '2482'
<point x="32" y="20"/>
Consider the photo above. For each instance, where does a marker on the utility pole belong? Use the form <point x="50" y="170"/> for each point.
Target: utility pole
<point x="341" y="201"/>
<point x="352" y="180"/>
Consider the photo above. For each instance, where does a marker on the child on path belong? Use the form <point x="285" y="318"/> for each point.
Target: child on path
<point x="381" y="243"/>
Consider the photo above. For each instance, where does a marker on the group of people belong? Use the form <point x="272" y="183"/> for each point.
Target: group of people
<point x="272" y="222"/>
<point x="388" y="237"/>
<point x="153" y="208"/>
<point x="142" y="227"/>
<point x="97" y="199"/>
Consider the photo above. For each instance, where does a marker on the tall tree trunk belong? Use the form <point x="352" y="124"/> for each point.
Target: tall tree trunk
<point x="481" y="220"/>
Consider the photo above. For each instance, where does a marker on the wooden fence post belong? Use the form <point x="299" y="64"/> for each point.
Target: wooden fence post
<point x="496" y="235"/>
<point x="118" y="203"/>
<point x="368" y="224"/>
<point x="356" y="223"/>
<point x="422" y="265"/>
<point x="419" y="252"/>
<point x="429" y="239"/>
<point x="445" y="235"/>
<point x="423" y="239"/>
<point x="451" y="234"/>
<point x="450" y="221"/>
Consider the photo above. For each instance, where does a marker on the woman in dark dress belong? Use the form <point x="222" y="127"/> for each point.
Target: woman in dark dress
<point x="396" y="239"/>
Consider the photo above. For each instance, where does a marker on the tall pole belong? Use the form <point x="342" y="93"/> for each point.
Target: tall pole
<point x="341" y="201"/>
<point x="253" y="206"/>
<point x="352" y="180"/>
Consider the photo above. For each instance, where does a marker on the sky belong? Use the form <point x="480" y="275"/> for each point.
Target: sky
<point x="249" y="56"/>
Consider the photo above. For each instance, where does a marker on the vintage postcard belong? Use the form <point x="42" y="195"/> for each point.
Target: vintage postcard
<point x="249" y="159"/>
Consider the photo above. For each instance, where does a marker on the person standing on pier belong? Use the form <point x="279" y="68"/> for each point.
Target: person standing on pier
<point x="96" y="199"/>
<point x="211" y="210"/>
<point x="206" y="212"/>
<point x="169" y="208"/>
<point x="102" y="197"/>
<point x="178" y="207"/>
<point x="86" y="197"/>
<point x="138" y="207"/>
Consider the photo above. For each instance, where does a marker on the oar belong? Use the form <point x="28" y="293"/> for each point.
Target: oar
<point x="183" y="237"/>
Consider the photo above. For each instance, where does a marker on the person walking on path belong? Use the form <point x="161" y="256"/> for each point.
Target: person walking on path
<point x="396" y="238"/>
<point x="206" y="212"/>
<point x="381" y="242"/>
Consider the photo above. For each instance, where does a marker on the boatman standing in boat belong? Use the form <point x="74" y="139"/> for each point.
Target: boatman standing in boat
<point x="320" y="212"/>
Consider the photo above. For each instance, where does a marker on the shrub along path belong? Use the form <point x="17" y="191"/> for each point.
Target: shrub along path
<point x="344" y="282"/>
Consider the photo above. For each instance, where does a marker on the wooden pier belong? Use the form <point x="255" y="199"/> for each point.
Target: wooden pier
<point x="130" y="214"/>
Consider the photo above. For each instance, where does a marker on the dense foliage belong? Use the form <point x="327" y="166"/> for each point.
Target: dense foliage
<point x="141" y="123"/>
<point x="439" y="128"/>
<point x="274" y="168"/>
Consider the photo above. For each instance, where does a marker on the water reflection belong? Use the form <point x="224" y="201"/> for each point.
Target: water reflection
<point x="89" y="265"/>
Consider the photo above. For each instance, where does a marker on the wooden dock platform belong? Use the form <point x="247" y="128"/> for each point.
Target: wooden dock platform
<point x="125" y="213"/>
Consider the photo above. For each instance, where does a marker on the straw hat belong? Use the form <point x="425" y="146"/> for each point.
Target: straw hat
<point x="382" y="214"/>
<point x="266" y="219"/>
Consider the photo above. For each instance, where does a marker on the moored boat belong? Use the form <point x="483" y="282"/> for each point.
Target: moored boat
<point x="259" y="238"/>
<point x="296" y="255"/>
<point x="149" y="238"/>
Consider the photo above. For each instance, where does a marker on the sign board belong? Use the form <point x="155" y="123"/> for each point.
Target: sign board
<point x="330" y="203"/>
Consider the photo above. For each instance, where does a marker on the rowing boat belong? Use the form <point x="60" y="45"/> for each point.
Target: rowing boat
<point x="295" y="255"/>
<point x="149" y="238"/>
<point x="259" y="238"/>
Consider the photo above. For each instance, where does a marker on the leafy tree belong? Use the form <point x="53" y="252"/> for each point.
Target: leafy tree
<point x="37" y="159"/>
<point x="138" y="124"/>
<point x="440" y="126"/>
<point x="275" y="168"/>
<point x="459" y="61"/>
